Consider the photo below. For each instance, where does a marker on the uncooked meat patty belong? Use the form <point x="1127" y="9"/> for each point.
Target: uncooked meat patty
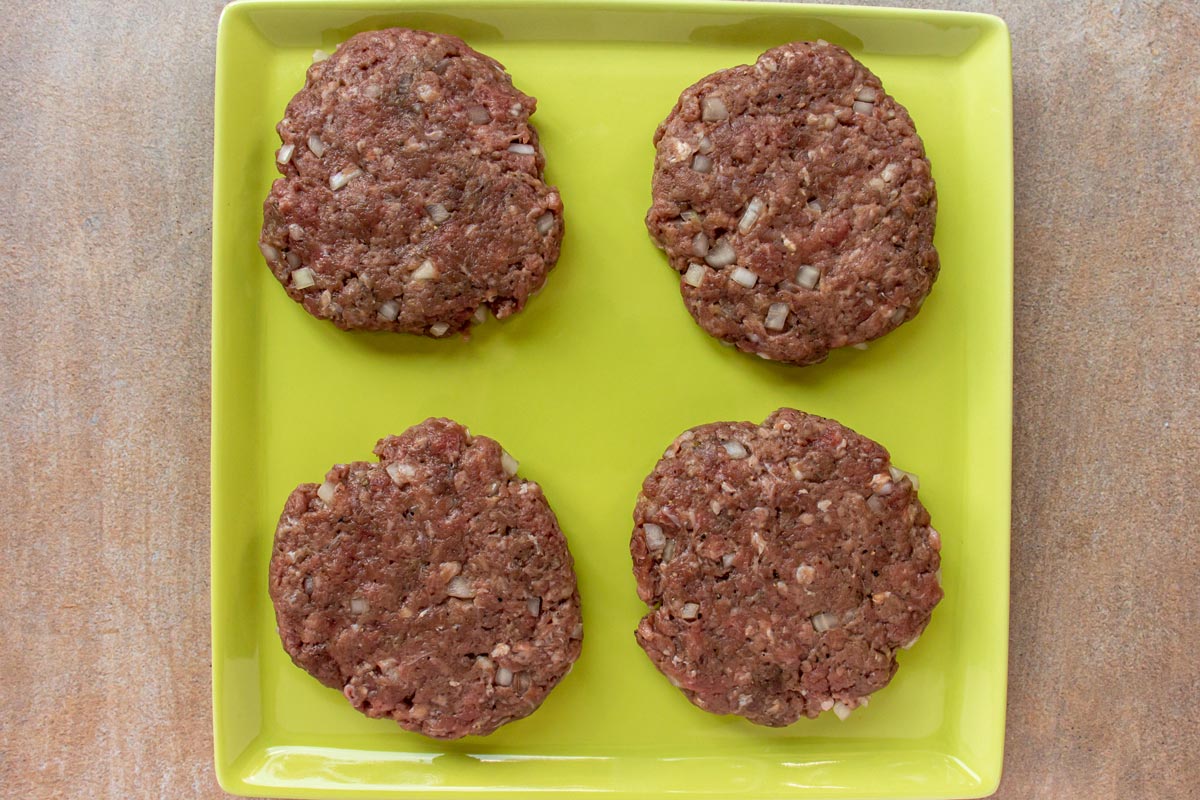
<point x="412" y="197"/>
<point x="433" y="587"/>
<point x="794" y="198"/>
<point x="784" y="564"/>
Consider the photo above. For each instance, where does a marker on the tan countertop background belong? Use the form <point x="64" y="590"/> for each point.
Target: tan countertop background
<point x="105" y="158"/>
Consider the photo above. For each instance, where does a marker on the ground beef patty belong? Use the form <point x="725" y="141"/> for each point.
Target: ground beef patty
<point x="795" y="199"/>
<point x="784" y="564"/>
<point x="412" y="197"/>
<point x="433" y="587"/>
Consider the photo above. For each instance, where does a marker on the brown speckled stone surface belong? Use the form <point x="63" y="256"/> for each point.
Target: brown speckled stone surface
<point x="104" y="330"/>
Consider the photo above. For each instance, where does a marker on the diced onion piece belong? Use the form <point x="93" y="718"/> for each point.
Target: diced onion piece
<point x="808" y="277"/>
<point x="508" y="463"/>
<point x="669" y="550"/>
<point x="319" y="55"/>
<point x="325" y="491"/>
<point x="734" y="449"/>
<point x="426" y="272"/>
<point x="438" y="213"/>
<point x="890" y="172"/>
<point x="534" y="604"/>
<point x="705" y="145"/>
<point x="842" y="711"/>
<point x="898" y="315"/>
<point x="483" y="662"/>
<point x="702" y="163"/>
<point x="270" y="252"/>
<point x="439" y="328"/>
<point x="815" y="205"/>
<point x="654" y="536"/>
<point x="863" y="108"/>
<point x="824" y="621"/>
<point x="293" y="260"/>
<point x="521" y="149"/>
<point x="316" y="145"/>
<point x="860" y="346"/>
<point x="480" y="315"/>
<point x="899" y="474"/>
<point x="805" y="573"/>
<point x="689" y="611"/>
<point x="694" y="275"/>
<point x="750" y="215"/>
<point x="479" y="115"/>
<point x="460" y="587"/>
<point x="776" y="317"/>
<point x="866" y="94"/>
<point x="689" y="216"/>
<point x="389" y="310"/>
<point x="309" y="584"/>
<point x="372" y="90"/>
<point x="700" y="244"/>
<point x="285" y="153"/>
<point x="295" y="232"/>
<point x="743" y="277"/>
<point x="504" y="677"/>
<point x="721" y="255"/>
<point x="339" y="179"/>
<point x="727" y="560"/>
<point x="358" y="605"/>
<point x="545" y="223"/>
<point x="302" y="278"/>
<point x="882" y="484"/>
<point x="712" y="109"/>
<point x="909" y="644"/>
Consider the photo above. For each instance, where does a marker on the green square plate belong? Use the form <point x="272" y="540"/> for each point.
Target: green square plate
<point x="589" y="384"/>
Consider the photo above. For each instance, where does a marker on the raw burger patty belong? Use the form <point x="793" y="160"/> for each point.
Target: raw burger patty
<point x="412" y="197"/>
<point x="783" y="564"/>
<point x="795" y="199"/>
<point x="433" y="587"/>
